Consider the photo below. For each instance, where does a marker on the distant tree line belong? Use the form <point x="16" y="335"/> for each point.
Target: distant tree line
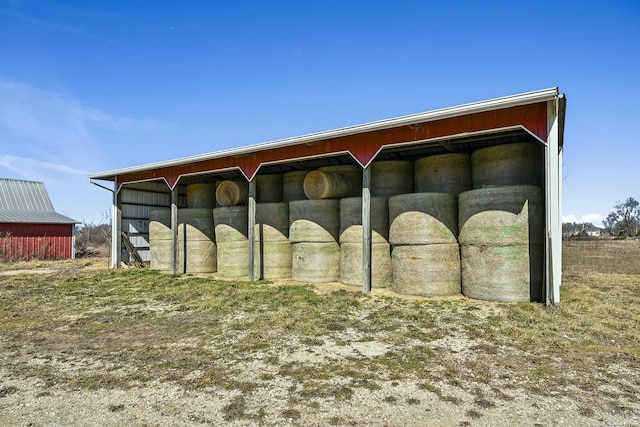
<point x="94" y="239"/>
<point x="622" y="221"/>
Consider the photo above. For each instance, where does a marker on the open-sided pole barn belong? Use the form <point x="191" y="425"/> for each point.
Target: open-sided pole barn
<point x="485" y="131"/>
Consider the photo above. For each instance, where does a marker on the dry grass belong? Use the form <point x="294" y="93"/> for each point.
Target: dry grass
<point x="88" y="328"/>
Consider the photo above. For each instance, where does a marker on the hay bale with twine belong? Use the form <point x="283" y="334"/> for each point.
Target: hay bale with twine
<point x="351" y="264"/>
<point x="502" y="273"/>
<point x="160" y="240"/>
<point x="443" y="173"/>
<point x="200" y="256"/>
<point x="391" y="177"/>
<point x="198" y="240"/>
<point x="160" y="224"/>
<point x="161" y="254"/>
<point x="501" y="215"/>
<point x="508" y="164"/>
<point x="268" y="188"/>
<point x="201" y="196"/>
<point x="351" y="220"/>
<point x="273" y="259"/>
<point x="423" y="218"/>
<point x="233" y="259"/>
<point x="315" y="262"/>
<point x="232" y="193"/>
<point x="293" y="186"/>
<point x="272" y="222"/>
<point x="231" y="223"/>
<point x="314" y="220"/>
<point x="426" y="270"/>
<point x="197" y="223"/>
<point x="333" y="182"/>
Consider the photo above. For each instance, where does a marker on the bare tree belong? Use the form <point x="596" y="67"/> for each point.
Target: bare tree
<point x="624" y="218"/>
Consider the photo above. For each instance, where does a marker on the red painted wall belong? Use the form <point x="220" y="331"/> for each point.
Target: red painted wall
<point x="362" y="146"/>
<point x="35" y="241"/>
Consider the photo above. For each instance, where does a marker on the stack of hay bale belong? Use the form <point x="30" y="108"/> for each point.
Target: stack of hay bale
<point x="501" y="224"/>
<point x="315" y="222"/>
<point x="272" y="250"/>
<point x="196" y="248"/>
<point x="423" y="230"/>
<point x="231" y="228"/>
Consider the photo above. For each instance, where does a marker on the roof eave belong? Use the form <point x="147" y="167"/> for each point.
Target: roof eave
<point x="444" y="113"/>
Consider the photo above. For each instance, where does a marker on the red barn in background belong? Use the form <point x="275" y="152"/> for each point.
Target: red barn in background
<point x="29" y="226"/>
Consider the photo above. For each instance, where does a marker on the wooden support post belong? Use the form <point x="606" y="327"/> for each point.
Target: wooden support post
<point x="251" y="229"/>
<point x="174" y="230"/>
<point x="366" y="230"/>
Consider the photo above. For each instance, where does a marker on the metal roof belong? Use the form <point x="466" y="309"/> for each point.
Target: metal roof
<point x="444" y="113"/>
<point x="28" y="202"/>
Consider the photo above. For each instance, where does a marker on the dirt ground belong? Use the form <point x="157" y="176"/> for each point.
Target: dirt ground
<point x="26" y="400"/>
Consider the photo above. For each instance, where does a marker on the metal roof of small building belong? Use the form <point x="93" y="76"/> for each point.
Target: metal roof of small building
<point x="28" y="202"/>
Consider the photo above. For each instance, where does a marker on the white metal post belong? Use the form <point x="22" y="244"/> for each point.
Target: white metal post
<point x="554" y="204"/>
<point x="116" y="228"/>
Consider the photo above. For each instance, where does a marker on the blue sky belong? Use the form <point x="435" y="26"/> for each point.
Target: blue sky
<point x="92" y="86"/>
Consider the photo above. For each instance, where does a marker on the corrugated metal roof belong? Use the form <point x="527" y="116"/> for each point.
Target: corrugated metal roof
<point x="27" y="201"/>
<point x="34" y="217"/>
<point x="18" y="195"/>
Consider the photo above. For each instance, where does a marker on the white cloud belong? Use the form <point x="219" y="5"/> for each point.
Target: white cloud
<point x="594" y="218"/>
<point x="48" y="137"/>
<point x="35" y="169"/>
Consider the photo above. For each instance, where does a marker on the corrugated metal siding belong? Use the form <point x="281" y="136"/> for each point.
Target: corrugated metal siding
<point x="35" y="241"/>
<point x="138" y="200"/>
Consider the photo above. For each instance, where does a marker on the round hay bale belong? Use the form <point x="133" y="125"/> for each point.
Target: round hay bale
<point x="315" y="262"/>
<point x="160" y="239"/>
<point x="351" y="220"/>
<point x="328" y="185"/>
<point x="232" y="193"/>
<point x="444" y="173"/>
<point x="427" y="270"/>
<point x="293" y="186"/>
<point x="391" y="177"/>
<point x="273" y="260"/>
<point x="268" y="188"/>
<point x="423" y="218"/>
<point x="353" y="172"/>
<point x="201" y="196"/>
<point x="508" y="164"/>
<point x="502" y="273"/>
<point x="233" y="259"/>
<point x="231" y="223"/>
<point x="160" y="224"/>
<point x="161" y="254"/>
<point x="314" y="220"/>
<point x="200" y="256"/>
<point x="197" y="224"/>
<point x="501" y="215"/>
<point x="351" y="264"/>
<point x="272" y="222"/>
